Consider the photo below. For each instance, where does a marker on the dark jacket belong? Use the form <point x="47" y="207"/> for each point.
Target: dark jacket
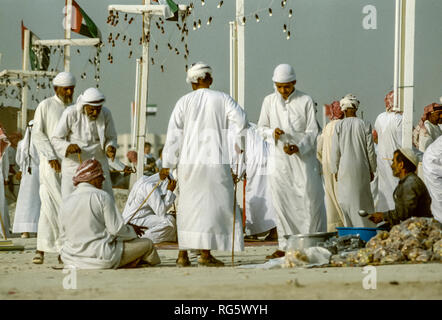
<point x="411" y="199"/>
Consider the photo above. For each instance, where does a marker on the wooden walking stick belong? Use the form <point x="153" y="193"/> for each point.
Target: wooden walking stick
<point x="79" y="158"/>
<point x="234" y="216"/>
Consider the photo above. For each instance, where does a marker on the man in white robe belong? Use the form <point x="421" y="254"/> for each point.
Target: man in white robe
<point x="335" y="217"/>
<point x="430" y="130"/>
<point x="259" y="210"/>
<point x="94" y="233"/>
<point x="432" y="171"/>
<point x="4" y="171"/>
<point x="197" y="144"/>
<point x="27" y="211"/>
<point x="161" y="226"/>
<point x="46" y="118"/>
<point x="353" y="162"/>
<point x="288" y="117"/>
<point x="388" y="126"/>
<point x="86" y="130"/>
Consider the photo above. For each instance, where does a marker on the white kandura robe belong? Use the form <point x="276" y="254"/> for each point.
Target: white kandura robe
<point x="93" y="231"/>
<point x="353" y="158"/>
<point x="197" y="142"/>
<point x="27" y="211"/>
<point x="153" y="214"/>
<point x="260" y="213"/>
<point x="4" y="209"/>
<point x="46" y="118"/>
<point x="297" y="191"/>
<point x="374" y="185"/>
<point x="388" y="125"/>
<point x="335" y="217"/>
<point x="432" y="172"/>
<point x="425" y="139"/>
<point x="92" y="136"/>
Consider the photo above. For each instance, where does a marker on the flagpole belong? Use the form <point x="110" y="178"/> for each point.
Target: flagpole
<point x="24" y="89"/>
<point x="241" y="59"/>
<point x="143" y="93"/>
<point x="67" y="35"/>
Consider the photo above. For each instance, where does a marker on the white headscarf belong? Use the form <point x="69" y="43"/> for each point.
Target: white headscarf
<point x="64" y="79"/>
<point x="349" y="102"/>
<point x="284" y="73"/>
<point x="90" y="96"/>
<point x="198" y="70"/>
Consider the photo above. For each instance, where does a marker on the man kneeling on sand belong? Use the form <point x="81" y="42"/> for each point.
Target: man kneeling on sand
<point x="94" y="235"/>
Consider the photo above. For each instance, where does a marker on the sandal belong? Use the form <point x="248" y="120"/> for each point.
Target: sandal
<point x="182" y="263"/>
<point x="38" y="259"/>
<point x="276" y="254"/>
<point x="210" y="262"/>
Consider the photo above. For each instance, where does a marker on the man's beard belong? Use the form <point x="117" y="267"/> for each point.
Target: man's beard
<point x="66" y="99"/>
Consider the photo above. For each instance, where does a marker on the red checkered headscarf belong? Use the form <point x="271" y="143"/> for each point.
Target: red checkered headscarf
<point x="333" y="111"/>
<point x="88" y="170"/>
<point x="427" y="111"/>
<point x="132" y="156"/>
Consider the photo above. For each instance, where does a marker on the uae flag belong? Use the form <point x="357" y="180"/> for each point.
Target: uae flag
<point x="171" y="9"/>
<point x="82" y="24"/>
<point x="38" y="55"/>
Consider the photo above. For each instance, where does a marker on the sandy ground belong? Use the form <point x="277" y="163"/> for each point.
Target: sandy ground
<point x="20" y="279"/>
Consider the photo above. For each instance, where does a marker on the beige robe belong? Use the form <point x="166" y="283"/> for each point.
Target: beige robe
<point x="335" y="217"/>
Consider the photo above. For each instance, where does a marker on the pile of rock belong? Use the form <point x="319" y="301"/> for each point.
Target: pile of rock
<point x="414" y="240"/>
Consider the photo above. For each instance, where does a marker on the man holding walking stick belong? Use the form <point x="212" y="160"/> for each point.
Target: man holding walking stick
<point x="86" y="130"/>
<point x="197" y="144"/>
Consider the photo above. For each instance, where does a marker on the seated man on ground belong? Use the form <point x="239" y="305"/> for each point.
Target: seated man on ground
<point x="94" y="235"/>
<point x="411" y="196"/>
<point x="152" y="213"/>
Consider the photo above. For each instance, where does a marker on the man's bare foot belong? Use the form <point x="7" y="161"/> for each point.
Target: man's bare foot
<point x="276" y="254"/>
<point x="39" y="257"/>
<point x="207" y="260"/>
<point x="183" y="259"/>
<point x="25" y="235"/>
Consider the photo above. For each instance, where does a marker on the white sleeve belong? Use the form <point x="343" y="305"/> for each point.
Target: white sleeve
<point x="335" y="150"/>
<point x="174" y="138"/>
<point x="156" y="202"/>
<point x="41" y="140"/>
<point x="264" y="128"/>
<point x="110" y="132"/>
<point x="371" y="153"/>
<point x="114" y="221"/>
<point x="61" y="133"/>
<point x="311" y="132"/>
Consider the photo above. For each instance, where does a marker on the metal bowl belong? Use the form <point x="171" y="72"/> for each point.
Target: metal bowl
<point x="307" y="240"/>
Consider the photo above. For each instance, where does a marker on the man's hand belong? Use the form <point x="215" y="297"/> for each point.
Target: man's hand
<point x="72" y="149"/>
<point x="111" y="151"/>
<point x="139" y="230"/>
<point x="164" y="173"/>
<point x="171" y="185"/>
<point x="277" y="134"/>
<point x="5" y="182"/>
<point x="376" y="217"/>
<point x="291" y="149"/>
<point x="127" y="170"/>
<point x="18" y="175"/>
<point x="55" y="165"/>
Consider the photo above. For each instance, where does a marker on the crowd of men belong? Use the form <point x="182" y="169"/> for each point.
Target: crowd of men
<point x="298" y="178"/>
